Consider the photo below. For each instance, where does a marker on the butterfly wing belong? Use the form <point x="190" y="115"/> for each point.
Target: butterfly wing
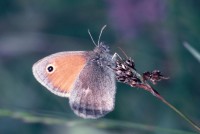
<point x="93" y="93"/>
<point x="59" y="71"/>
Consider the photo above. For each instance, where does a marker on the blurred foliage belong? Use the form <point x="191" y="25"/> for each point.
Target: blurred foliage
<point x="151" y="32"/>
<point x="103" y="124"/>
<point x="194" y="52"/>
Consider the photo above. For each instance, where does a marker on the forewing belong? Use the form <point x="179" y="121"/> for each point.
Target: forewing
<point x="67" y="66"/>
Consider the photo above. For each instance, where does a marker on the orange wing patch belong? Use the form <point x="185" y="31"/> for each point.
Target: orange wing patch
<point x="67" y="69"/>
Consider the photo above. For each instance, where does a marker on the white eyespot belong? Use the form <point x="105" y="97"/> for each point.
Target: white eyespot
<point x="50" y="68"/>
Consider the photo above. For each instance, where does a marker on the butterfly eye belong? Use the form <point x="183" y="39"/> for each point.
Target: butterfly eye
<point x="50" y="68"/>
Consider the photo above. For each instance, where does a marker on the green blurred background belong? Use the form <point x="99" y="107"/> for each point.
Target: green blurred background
<point x="152" y="32"/>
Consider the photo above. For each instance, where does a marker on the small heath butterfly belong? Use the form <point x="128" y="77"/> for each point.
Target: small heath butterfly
<point x="85" y="77"/>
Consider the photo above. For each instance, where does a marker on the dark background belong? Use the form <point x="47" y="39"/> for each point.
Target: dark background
<point x="152" y="32"/>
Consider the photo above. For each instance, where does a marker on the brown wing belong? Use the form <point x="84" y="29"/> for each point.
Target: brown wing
<point x="93" y="93"/>
<point x="59" y="71"/>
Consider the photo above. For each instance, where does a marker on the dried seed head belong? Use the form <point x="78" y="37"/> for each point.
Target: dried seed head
<point x="126" y="73"/>
<point x="130" y="63"/>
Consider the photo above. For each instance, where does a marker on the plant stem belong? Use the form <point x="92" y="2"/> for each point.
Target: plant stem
<point x="181" y="114"/>
<point x="157" y="95"/>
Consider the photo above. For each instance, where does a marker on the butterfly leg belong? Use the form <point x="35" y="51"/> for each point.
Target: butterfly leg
<point x="116" y="55"/>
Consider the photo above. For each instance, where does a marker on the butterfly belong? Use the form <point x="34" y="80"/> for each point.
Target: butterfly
<point x="85" y="77"/>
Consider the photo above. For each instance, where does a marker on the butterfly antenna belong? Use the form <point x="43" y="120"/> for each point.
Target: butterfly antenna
<point x="92" y="38"/>
<point x="123" y="52"/>
<point x="101" y="33"/>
